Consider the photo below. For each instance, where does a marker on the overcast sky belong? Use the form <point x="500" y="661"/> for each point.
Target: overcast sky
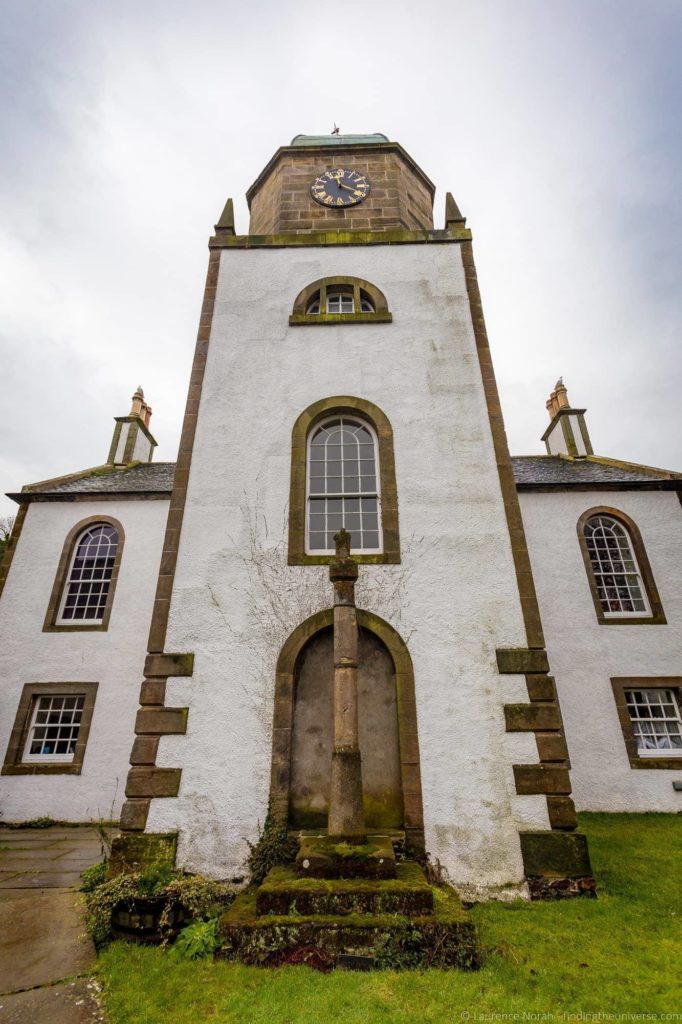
<point x="125" y="125"/>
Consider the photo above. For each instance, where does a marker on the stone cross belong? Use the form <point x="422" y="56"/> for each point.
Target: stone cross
<point x="346" y="817"/>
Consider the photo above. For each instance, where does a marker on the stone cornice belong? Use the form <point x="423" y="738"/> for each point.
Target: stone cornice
<point x="324" y="238"/>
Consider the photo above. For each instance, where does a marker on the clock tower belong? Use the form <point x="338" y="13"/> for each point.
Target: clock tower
<point x="357" y="182"/>
<point x="342" y="379"/>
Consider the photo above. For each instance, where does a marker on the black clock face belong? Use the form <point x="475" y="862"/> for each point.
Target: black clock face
<point x="340" y="188"/>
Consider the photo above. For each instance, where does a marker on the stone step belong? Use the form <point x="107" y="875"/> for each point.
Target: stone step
<point x="331" y="857"/>
<point x="444" y="938"/>
<point x="283" y="892"/>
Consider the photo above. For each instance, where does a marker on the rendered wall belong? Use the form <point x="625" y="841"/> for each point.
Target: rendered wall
<point x="453" y="599"/>
<point x="584" y="655"/>
<point x="114" y="658"/>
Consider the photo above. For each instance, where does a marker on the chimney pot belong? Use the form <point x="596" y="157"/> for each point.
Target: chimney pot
<point x="561" y="394"/>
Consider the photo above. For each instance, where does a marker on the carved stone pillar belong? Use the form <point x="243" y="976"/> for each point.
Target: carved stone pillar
<point x="346" y="817"/>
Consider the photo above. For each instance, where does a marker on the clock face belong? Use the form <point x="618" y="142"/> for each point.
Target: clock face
<point x="340" y="188"/>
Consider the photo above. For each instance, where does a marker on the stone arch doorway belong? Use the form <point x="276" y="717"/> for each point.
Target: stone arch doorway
<point x="388" y="727"/>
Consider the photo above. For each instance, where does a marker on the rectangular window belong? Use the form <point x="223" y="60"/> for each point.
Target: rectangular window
<point x="51" y="728"/>
<point x="54" y="729"/>
<point x="656" y="722"/>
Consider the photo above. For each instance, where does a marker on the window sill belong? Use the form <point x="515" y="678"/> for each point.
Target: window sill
<point x="634" y="620"/>
<point x="384" y="558"/>
<point x="75" y="628"/>
<point x="320" y="319"/>
<point x="670" y="763"/>
<point x="54" y="768"/>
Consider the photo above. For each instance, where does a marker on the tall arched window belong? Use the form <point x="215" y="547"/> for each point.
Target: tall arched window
<point x="616" y="573"/>
<point x="343" y="474"/>
<point x="87" y="588"/>
<point x="343" y="485"/>
<point x="618" y="569"/>
<point x="83" y="590"/>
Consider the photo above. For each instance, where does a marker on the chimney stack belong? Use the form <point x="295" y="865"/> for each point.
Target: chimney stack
<point x="132" y="440"/>
<point x="140" y="409"/>
<point x="567" y="432"/>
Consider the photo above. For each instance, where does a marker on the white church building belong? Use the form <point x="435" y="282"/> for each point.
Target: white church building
<point x="165" y="628"/>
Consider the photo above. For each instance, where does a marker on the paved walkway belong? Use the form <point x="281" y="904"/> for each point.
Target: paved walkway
<point x="45" y="955"/>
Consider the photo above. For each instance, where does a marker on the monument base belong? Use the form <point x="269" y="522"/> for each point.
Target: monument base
<point x="341" y="857"/>
<point x="351" y="923"/>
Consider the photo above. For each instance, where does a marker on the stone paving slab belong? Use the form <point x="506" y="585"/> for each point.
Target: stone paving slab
<point x="42" y="940"/>
<point x="44" y="860"/>
<point x="41" y="880"/>
<point x="72" y="1002"/>
<point x="43" y="945"/>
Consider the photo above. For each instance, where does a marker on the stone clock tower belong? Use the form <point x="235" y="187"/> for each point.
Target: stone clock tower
<point x="342" y="378"/>
<point x="399" y="197"/>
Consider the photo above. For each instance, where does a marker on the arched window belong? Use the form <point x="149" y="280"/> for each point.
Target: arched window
<point x="343" y="485"/>
<point x="618" y="569"/>
<point x="340" y="300"/>
<point x="343" y="475"/>
<point x="87" y="588"/>
<point x="86" y="578"/>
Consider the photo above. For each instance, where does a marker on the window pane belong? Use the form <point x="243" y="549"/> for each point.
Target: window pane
<point x="655" y="718"/>
<point x="54" y="728"/>
<point x="615" y="569"/>
<point x="90" y="574"/>
<point x="342" y="465"/>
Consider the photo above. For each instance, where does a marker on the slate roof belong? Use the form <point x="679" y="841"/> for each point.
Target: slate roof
<point x="556" y="472"/>
<point x="155" y="478"/>
<point x="531" y="472"/>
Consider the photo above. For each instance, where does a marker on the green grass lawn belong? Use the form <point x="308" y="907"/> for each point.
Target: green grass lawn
<point x="619" y="953"/>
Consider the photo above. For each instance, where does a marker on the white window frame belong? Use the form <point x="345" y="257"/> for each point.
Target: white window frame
<point x="85" y="621"/>
<point x="311" y="311"/>
<point x="671" y="698"/>
<point x="360" y="421"/>
<point x="27" y="756"/>
<point x="646" y="612"/>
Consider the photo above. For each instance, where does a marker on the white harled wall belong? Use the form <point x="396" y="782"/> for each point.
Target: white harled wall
<point x="114" y="658"/>
<point x="453" y="599"/>
<point x="584" y="655"/>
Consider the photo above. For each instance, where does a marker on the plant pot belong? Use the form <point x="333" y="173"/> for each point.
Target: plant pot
<point x="138" y="919"/>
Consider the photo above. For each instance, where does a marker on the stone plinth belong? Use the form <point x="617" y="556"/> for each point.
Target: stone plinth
<point x="332" y="857"/>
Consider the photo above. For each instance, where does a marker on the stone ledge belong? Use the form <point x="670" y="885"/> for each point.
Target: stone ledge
<point x="543" y="717"/>
<point x="522" y="660"/>
<point x="153" y="782"/>
<point x="330" y="319"/>
<point x="161" y="721"/>
<point x="533" y="779"/>
<point x="164" y="665"/>
<point x="323" y="238"/>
